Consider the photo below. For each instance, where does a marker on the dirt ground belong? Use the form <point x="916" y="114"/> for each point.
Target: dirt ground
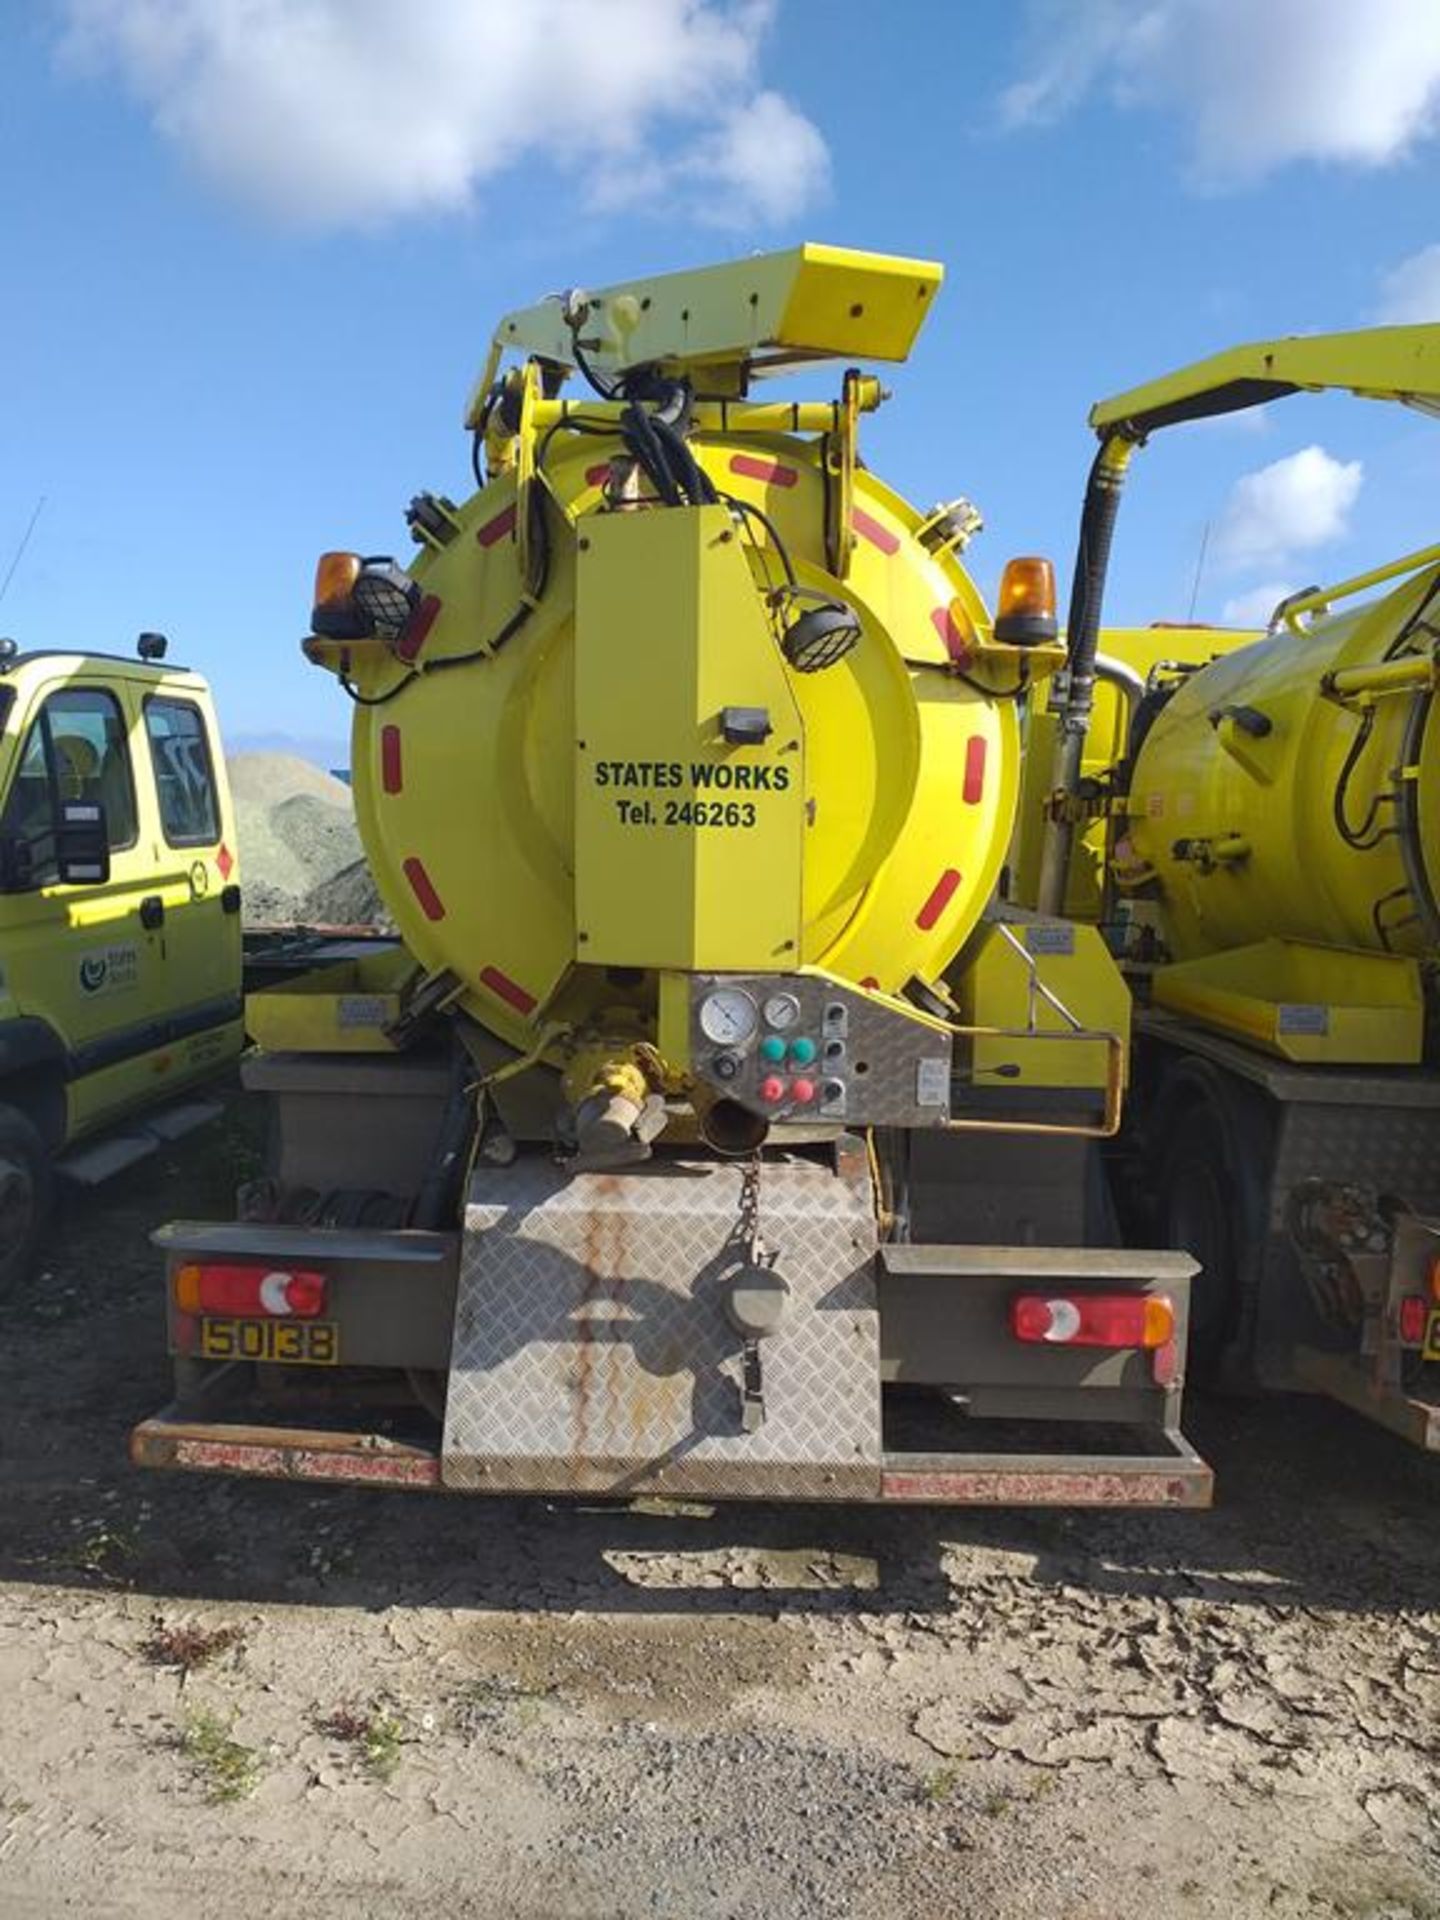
<point x="222" y="1699"/>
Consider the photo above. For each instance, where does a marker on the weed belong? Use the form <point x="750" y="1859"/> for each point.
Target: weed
<point x="377" y="1735"/>
<point x="482" y="1704"/>
<point x="937" y="1787"/>
<point x="189" y="1647"/>
<point x="104" y="1551"/>
<point x="228" y="1769"/>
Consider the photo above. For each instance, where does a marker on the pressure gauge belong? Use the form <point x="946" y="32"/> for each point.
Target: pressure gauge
<point x="728" y="1016"/>
<point x="782" y="1010"/>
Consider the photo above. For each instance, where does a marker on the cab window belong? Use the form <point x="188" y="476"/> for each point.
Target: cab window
<point x="75" y="750"/>
<point x="184" y="776"/>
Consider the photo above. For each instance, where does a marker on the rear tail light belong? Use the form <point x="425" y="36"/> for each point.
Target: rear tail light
<point x="250" y="1292"/>
<point x="1093" y="1319"/>
<point x="1414" y="1318"/>
<point x="1435" y="1278"/>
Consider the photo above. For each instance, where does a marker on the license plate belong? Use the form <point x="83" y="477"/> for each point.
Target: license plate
<point x="305" y="1343"/>
<point x="1432" y="1337"/>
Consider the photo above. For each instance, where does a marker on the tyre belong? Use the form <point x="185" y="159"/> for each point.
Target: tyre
<point x="1211" y="1197"/>
<point x="25" y="1189"/>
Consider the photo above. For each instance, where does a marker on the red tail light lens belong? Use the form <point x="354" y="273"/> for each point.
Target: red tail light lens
<point x="255" y="1293"/>
<point x="1093" y="1319"/>
<point x="1414" y="1316"/>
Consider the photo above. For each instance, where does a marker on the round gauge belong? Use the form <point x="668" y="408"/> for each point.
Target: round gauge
<point x="782" y="1010"/>
<point x="728" y="1016"/>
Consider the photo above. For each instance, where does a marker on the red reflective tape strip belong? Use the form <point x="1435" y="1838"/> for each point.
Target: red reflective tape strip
<point x="391" y="774"/>
<point x="941" y="895"/>
<point x="872" y="531"/>
<point x="504" y="988"/>
<point x="957" y="644"/>
<point x="974" y="788"/>
<point x="416" y="630"/>
<point x="1063" y="1487"/>
<point x="496" y="529"/>
<point x="151" y="1445"/>
<point x="597" y="476"/>
<point x="423" y="888"/>
<point x="769" y="471"/>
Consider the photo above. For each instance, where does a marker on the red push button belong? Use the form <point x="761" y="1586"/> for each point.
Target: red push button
<point x="772" y="1089"/>
<point x="803" y="1092"/>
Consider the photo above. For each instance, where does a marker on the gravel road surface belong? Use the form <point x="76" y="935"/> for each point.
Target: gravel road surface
<point x="224" y="1700"/>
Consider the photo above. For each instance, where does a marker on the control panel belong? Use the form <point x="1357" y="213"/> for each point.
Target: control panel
<point x="800" y="1048"/>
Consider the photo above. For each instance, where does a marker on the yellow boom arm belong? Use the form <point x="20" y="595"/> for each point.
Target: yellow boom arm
<point x="1378" y="363"/>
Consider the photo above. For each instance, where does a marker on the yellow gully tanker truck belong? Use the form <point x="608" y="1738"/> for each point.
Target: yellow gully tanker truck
<point x="712" y="1132"/>
<point x="1261" y="834"/>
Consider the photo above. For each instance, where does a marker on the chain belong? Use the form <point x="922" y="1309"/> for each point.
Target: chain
<point x="758" y="1253"/>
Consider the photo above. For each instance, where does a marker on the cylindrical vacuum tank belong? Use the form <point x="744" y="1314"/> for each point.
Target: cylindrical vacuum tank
<point x="1292" y="788"/>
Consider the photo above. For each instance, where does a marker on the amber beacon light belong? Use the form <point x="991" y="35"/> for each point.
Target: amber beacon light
<point x="1025" y="611"/>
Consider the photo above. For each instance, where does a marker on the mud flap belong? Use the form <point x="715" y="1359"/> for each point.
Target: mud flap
<point x="599" y="1343"/>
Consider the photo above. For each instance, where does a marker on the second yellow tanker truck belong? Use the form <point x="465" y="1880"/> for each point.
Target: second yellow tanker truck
<point x="712" y="1133"/>
<point x="1259" y="831"/>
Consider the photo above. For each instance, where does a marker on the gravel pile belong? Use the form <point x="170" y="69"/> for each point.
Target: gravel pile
<point x="300" y="848"/>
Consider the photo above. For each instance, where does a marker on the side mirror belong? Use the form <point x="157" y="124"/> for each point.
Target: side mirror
<point x="82" y="845"/>
<point x="17" y="864"/>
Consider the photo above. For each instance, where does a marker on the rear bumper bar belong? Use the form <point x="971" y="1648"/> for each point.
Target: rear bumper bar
<point x="1175" y="1478"/>
<point x="1348" y="1380"/>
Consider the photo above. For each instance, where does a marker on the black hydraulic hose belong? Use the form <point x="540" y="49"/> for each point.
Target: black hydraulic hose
<point x="695" y="481"/>
<point x="436" y="1201"/>
<point x="1363" y="837"/>
<point x="1087" y="592"/>
<point x="644" y="443"/>
<point x="1087" y="598"/>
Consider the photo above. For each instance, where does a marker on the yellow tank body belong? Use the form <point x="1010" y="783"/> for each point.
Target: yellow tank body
<point x="562" y="817"/>
<point x="474" y="844"/>
<point x="1291" y="789"/>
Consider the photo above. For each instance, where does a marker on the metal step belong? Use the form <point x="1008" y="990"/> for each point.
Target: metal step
<point x="186" y="1116"/>
<point x="1052" y="1264"/>
<point x="100" y="1160"/>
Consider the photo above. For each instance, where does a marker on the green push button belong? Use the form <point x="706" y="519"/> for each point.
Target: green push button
<point x="802" y="1052"/>
<point x="772" y="1048"/>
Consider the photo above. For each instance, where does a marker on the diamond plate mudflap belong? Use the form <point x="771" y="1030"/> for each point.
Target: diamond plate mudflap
<point x="593" y="1353"/>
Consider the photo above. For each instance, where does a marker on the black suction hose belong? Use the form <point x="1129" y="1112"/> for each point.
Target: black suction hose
<point x="1087" y="598"/>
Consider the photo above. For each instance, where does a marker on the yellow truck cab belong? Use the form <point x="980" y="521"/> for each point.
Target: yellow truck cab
<point x="120" y="942"/>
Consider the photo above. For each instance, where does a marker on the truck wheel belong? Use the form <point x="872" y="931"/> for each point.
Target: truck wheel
<point x="1200" y="1214"/>
<point x="24" y="1196"/>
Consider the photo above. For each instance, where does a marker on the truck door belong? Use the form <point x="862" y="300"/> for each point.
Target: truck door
<point x="197" y="878"/>
<point x="85" y="959"/>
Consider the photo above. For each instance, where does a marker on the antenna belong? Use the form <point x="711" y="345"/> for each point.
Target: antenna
<point x="1199" y="570"/>
<point x="19" y="553"/>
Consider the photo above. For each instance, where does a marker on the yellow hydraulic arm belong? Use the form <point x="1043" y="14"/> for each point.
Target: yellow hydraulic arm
<point x="1375" y="363"/>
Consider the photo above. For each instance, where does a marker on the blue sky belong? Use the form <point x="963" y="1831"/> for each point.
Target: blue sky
<point x="255" y="249"/>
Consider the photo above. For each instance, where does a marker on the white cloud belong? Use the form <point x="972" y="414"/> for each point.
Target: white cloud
<point x="1289" y="507"/>
<point x="761" y="160"/>
<point x="772" y="157"/>
<point x="353" y="112"/>
<point x="1411" y="291"/>
<point x="1256" y="86"/>
<point x="1254" y="607"/>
